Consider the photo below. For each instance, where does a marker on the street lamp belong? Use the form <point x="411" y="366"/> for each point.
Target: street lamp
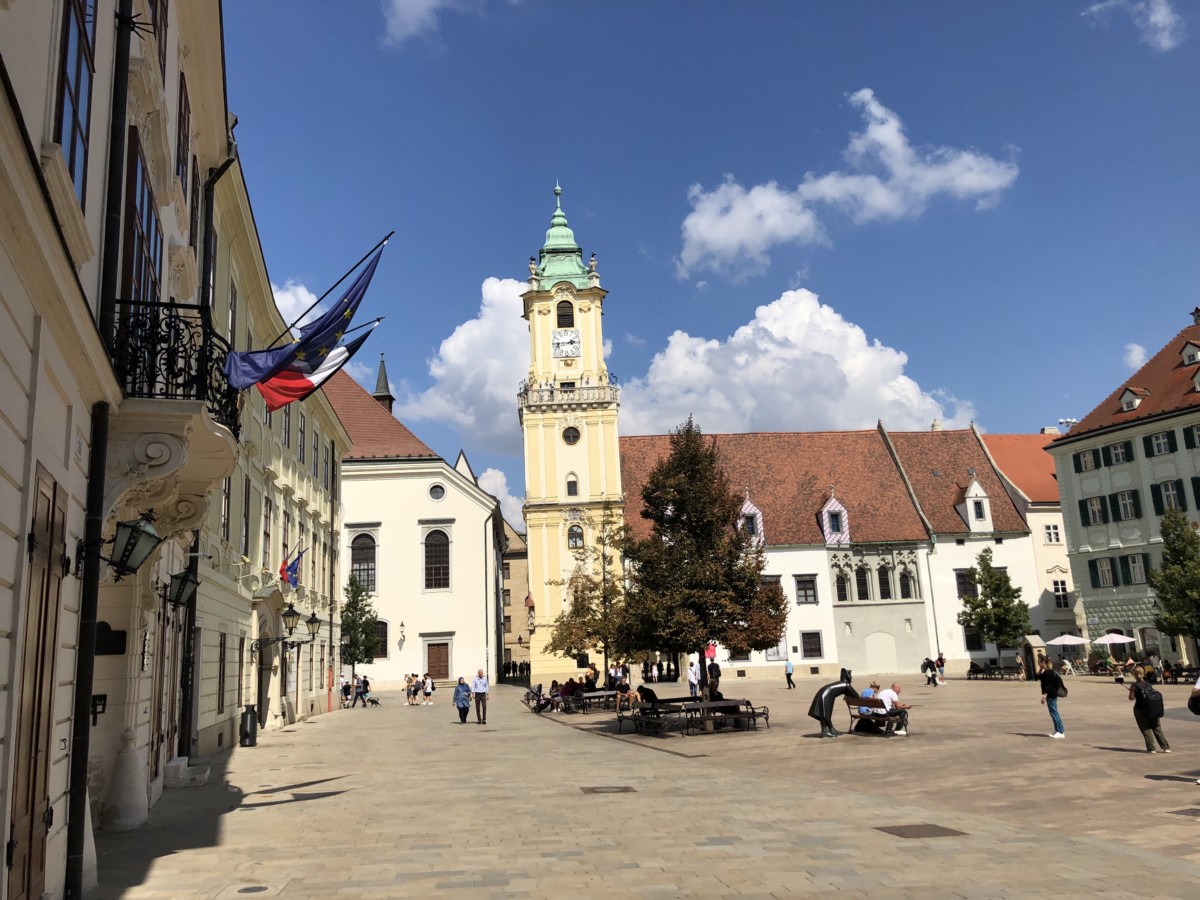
<point x="291" y="619"/>
<point x="313" y="624"/>
<point x="182" y="588"/>
<point x="133" y="543"/>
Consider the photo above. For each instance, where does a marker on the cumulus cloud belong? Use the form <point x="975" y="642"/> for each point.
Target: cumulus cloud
<point x="1156" y="20"/>
<point x="476" y="372"/>
<point x="409" y="18"/>
<point x="797" y="365"/>
<point x="293" y="299"/>
<point x="732" y="229"/>
<point x="1135" y="356"/>
<point x="495" y="483"/>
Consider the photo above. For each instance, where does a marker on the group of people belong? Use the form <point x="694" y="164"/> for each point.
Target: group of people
<point x="359" y="688"/>
<point x="893" y="718"/>
<point x="478" y="691"/>
<point x="514" y="669"/>
<point x="418" y="689"/>
<point x="934" y="670"/>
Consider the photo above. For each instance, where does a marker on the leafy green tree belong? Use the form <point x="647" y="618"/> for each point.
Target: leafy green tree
<point x="360" y="632"/>
<point x="1176" y="583"/>
<point x="996" y="610"/>
<point x="698" y="577"/>
<point x="596" y="590"/>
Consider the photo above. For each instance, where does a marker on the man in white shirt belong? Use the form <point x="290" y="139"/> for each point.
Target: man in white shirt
<point x="693" y="679"/>
<point x="895" y="710"/>
<point x="479" y="688"/>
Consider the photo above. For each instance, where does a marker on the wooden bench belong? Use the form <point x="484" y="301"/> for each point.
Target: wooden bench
<point x="715" y="714"/>
<point x="856" y="705"/>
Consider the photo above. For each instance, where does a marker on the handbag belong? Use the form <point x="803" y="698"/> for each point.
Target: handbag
<point x="1062" y="689"/>
<point x="1194" y="705"/>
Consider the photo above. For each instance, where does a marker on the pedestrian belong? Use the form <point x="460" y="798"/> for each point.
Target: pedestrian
<point x="941" y="668"/>
<point x="714" y="675"/>
<point x="654" y="672"/>
<point x="693" y="679"/>
<point x="462" y="700"/>
<point x="479" y="687"/>
<point x="1148" y="713"/>
<point x="428" y="686"/>
<point x="366" y="690"/>
<point x="358" y="692"/>
<point x="1020" y="668"/>
<point x="347" y="689"/>
<point x="788" y="669"/>
<point x="929" y="670"/>
<point x="1052" y="689"/>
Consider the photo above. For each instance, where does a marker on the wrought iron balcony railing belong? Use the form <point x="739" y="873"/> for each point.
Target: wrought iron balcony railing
<point x="551" y="394"/>
<point x="169" y="351"/>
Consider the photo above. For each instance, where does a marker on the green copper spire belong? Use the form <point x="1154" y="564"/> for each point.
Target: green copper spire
<point x="561" y="259"/>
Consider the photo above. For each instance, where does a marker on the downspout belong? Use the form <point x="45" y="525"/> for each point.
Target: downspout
<point x="210" y="185"/>
<point x="93" y="529"/>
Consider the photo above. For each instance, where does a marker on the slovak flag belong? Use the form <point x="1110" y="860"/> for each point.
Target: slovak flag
<point x="303" y="376"/>
<point x="289" y="572"/>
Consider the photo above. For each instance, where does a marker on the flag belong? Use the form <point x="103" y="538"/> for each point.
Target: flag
<point x="290" y="571"/>
<point x="304" y="376"/>
<point x="250" y="367"/>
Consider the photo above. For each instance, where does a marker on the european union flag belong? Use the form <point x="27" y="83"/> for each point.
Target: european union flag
<point x="245" y="369"/>
<point x="293" y="568"/>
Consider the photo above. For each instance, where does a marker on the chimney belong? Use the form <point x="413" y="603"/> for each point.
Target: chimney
<point x="1049" y="429"/>
<point x="1196" y="316"/>
<point x="382" y="392"/>
<point x="936" y="426"/>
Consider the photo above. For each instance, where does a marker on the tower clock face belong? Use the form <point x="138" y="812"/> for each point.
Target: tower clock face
<point x="566" y="343"/>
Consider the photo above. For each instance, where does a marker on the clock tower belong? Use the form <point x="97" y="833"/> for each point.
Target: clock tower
<point x="568" y="411"/>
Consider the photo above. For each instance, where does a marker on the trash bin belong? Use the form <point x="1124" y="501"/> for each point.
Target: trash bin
<point x="249" y="729"/>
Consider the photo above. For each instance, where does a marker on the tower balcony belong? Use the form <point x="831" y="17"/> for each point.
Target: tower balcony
<point x="552" y="397"/>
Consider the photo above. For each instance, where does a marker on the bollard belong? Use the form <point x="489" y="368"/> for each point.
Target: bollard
<point x="249" y="729"/>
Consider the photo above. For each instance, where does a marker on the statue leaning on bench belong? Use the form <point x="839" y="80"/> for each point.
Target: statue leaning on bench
<point x="824" y="700"/>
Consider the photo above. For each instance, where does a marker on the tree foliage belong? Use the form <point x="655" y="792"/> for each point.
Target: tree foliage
<point x="996" y="611"/>
<point x="592" y="617"/>
<point x="698" y="577"/>
<point x="1176" y="583"/>
<point x="360" y="634"/>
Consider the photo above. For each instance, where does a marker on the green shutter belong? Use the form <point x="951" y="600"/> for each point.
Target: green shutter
<point x="1189" y="438"/>
<point x="1125" y="577"/>
<point x="1137" y="505"/>
<point x="1083" y="514"/>
<point x="1076" y="462"/>
<point x="1094" y="571"/>
<point x="1106" y="455"/>
<point x="1172" y="444"/>
<point x="1148" y="446"/>
<point x="1114" y="505"/>
<point x="1181" y="495"/>
<point x="1128" y="451"/>
<point x="1156" y="499"/>
<point x="1196" y="490"/>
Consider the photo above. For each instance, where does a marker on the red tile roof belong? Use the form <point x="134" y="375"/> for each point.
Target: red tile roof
<point x="1024" y="460"/>
<point x="1164" y="383"/>
<point x="374" y="432"/>
<point x="937" y="464"/>
<point x="789" y="476"/>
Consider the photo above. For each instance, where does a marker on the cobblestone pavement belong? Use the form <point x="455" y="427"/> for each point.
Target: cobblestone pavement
<point x="404" y="802"/>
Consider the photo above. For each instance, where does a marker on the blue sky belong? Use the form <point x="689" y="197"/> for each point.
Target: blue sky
<point x="807" y="216"/>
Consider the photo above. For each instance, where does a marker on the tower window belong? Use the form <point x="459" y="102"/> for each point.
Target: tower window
<point x="572" y="487"/>
<point x="575" y="537"/>
<point x="566" y="314"/>
<point x="570" y="435"/>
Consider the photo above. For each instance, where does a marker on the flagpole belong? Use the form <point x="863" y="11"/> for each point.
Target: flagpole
<point x="370" y="324"/>
<point x="367" y="256"/>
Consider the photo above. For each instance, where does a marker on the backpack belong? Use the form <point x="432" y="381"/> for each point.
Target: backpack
<point x="1149" y="701"/>
<point x="1194" y="705"/>
<point x="1062" y="688"/>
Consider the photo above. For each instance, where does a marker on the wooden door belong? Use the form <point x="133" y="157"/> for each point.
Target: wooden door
<point x="439" y="661"/>
<point x="31" y="813"/>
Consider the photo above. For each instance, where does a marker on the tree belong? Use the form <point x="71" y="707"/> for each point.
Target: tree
<point x="1176" y="583"/>
<point x="593" y="616"/>
<point x="360" y="626"/>
<point x="996" y="610"/>
<point x="698" y="577"/>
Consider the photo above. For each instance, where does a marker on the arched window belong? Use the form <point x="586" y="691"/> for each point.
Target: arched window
<point x="885" y="583"/>
<point x="381" y="640"/>
<point x="843" y="587"/>
<point x="566" y="314"/>
<point x="572" y="486"/>
<point x="437" y="560"/>
<point x="575" y="537"/>
<point x="907" y="585"/>
<point x="362" y="561"/>
<point x="862" y="583"/>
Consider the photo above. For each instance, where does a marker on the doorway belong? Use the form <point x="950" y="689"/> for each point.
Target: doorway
<point x="439" y="661"/>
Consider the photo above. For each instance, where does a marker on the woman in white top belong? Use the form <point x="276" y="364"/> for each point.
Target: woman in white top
<point x="428" y="690"/>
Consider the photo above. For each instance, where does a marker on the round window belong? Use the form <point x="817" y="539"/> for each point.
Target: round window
<point x="571" y="435"/>
<point x="437" y="492"/>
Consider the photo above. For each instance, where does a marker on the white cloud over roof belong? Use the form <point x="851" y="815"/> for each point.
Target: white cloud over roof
<point x="1157" y="22"/>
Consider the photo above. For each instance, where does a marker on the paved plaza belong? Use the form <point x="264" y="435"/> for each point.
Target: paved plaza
<point x="404" y="802"/>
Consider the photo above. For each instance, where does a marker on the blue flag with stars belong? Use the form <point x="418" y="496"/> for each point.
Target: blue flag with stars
<point x="245" y="369"/>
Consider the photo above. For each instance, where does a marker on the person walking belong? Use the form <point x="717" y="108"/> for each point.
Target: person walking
<point x="479" y="687"/>
<point x="940" y="662"/>
<point x="714" y="675"/>
<point x="1148" y="713"/>
<point x="788" y="669"/>
<point x="462" y="699"/>
<point x="1052" y="689"/>
<point x="427" y="686"/>
<point x="366" y="691"/>
<point x="358" y="693"/>
<point x="693" y="679"/>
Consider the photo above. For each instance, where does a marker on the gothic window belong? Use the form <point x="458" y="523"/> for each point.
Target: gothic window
<point x="906" y="585"/>
<point x="566" y="314"/>
<point x="843" y="587"/>
<point x="885" y="583"/>
<point x="862" y="583"/>
<point x="575" y="537"/>
<point x="437" y="560"/>
<point x="362" y="561"/>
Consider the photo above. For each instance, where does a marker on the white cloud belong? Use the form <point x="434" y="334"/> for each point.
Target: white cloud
<point x="1135" y="356"/>
<point x="1156" y="20"/>
<point x="633" y="340"/>
<point x="731" y="229"/>
<point x="410" y="18"/>
<point x="293" y="299"/>
<point x="495" y="483"/>
<point x="362" y="373"/>
<point x="797" y="366"/>
<point x="476" y="372"/>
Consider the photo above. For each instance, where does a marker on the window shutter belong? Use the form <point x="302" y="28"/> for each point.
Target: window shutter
<point x="1145" y="564"/>
<point x="1104" y="512"/>
<point x="1148" y="446"/>
<point x="1094" y="571"/>
<point x="1126" y="578"/>
<point x="1128" y="451"/>
<point x="1181" y="495"/>
<point x="1115" y="505"/>
<point x="1156" y="499"/>
<point x="1189" y="438"/>
<point x="1106" y="455"/>
<point x="1172" y="444"/>
<point x="1078" y="464"/>
<point x="1196" y="490"/>
<point x="1083" y="513"/>
<point x="1137" y="504"/>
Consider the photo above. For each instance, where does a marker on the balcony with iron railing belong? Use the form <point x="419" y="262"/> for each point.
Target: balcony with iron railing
<point x="555" y="395"/>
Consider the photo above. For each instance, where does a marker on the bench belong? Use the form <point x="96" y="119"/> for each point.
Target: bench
<point x="715" y="714"/>
<point x="876" y="715"/>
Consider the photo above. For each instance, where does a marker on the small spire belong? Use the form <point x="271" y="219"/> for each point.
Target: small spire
<point x="383" y="392"/>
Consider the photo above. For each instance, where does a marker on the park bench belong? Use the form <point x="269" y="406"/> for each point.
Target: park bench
<point x="876" y="715"/>
<point x="588" y="698"/>
<point x="713" y="715"/>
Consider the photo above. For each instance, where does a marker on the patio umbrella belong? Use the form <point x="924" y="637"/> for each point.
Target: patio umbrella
<point x="1113" y="639"/>
<point x="1069" y="640"/>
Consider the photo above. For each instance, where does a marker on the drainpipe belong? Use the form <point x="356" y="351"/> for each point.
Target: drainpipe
<point x="187" y="713"/>
<point x="93" y="529"/>
<point x="937" y="635"/>
<point x="210" y="185"/>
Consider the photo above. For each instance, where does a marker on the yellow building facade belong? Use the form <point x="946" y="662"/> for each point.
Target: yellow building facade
<point x="568" y="411"/>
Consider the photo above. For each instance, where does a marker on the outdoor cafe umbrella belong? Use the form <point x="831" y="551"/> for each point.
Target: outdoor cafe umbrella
<point x="1070" y="640"/>
<point x="1113" y="639"/>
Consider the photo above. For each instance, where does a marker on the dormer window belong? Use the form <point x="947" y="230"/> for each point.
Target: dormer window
<point x="751" y="523"/>
<point x="974" y="507"/>
<point x="835" y="522"/>
<point x="1190" y="353"/>
<point x="979" y="510"/>
<point x="1131" y="398"/>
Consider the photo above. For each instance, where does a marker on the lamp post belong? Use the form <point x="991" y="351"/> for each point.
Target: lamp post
<point x="291" y="619"/>
<point x="182" y="588"/>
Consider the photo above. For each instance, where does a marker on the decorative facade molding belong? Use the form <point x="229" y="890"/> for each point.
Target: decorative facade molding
<point x="185" y="279"/>
<point x="66" y="204"/>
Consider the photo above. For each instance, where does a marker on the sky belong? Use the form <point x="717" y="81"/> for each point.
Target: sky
<point x="807" y="216"/>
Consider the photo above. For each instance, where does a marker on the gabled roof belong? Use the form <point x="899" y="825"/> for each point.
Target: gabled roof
<point x="939" y="467"/>
<point x="789" y="476"/>
<point x="1164" y="383"/>
<point x="1024" y="461"/>
<point x="374" y="432"/>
